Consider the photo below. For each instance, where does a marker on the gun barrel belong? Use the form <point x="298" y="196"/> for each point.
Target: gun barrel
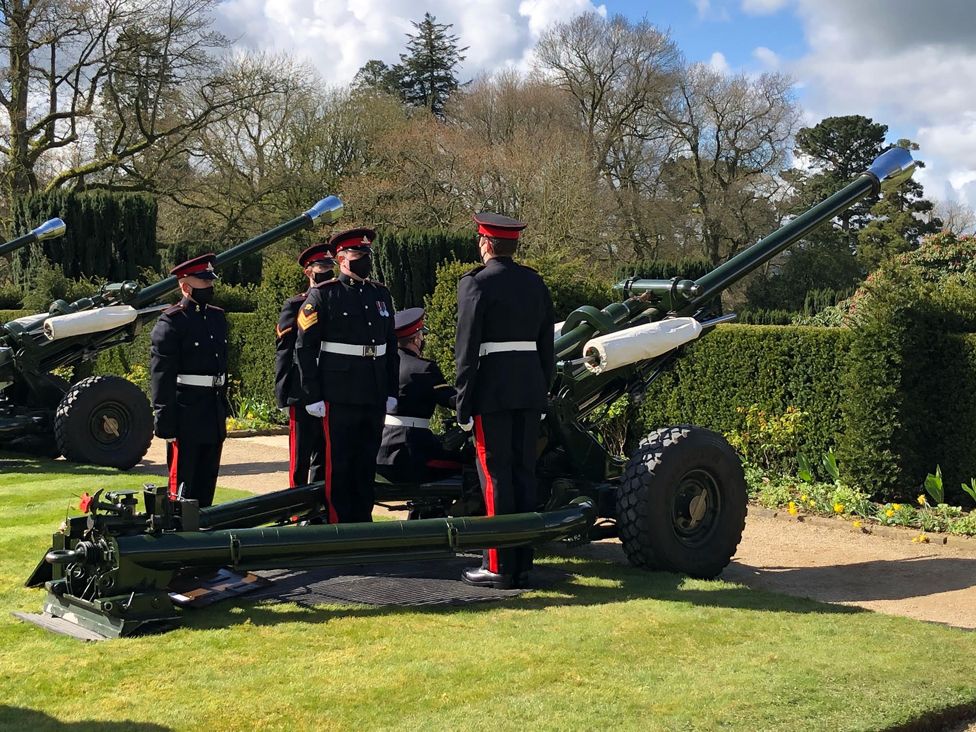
<point x="328" y="209"/>
<point x="50" y="229"/>
<point x="888" y="171"/>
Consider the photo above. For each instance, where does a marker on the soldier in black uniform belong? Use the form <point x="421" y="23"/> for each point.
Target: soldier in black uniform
<point x="348" y="363"/>
<point x="505" y="364"/>
<point x="306" y="463"/>
<point x="188" y="363"/>
<point x="409" y="450"/>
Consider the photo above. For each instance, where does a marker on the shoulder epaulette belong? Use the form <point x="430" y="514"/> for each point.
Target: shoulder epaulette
<point x="474" y="270"/>
<point x="377" y="283"/>
<point x="531" y="269"/>
<point x="177" y="308"/>
<point x="327" y="282"/>
<point x="214" y="307"/>
<point x="299" y="298"/>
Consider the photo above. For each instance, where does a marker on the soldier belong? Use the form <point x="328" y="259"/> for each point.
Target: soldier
<point x="188" y="362"/>
<point x="409" y="450"/>
<point x="306" y="441"/>
<point x="348" y="364"/>
<point x="505" y="364"/>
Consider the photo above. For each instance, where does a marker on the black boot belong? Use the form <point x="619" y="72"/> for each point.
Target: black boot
<point x="481" y="577"/>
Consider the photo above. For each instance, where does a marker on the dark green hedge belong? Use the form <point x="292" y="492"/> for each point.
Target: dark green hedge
<point x="739" y="365"/>
<point x="406" y="261"/>
<point x="109" y="235"/>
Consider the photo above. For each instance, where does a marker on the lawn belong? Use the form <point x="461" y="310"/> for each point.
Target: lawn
<point x="611" y="647"/>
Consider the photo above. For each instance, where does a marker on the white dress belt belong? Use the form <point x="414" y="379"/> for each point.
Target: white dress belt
<point x="347" y="349"/>
<point x="505" y="346"/>
<point x="199" y="380"/>
<point x="394" y="421"/>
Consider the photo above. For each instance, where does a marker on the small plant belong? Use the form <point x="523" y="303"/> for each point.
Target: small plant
<point x="934" y="487"/>
<point x="829" y="462"/>
<point x="769" y="441"/>
<point x="970" y="489"/>
<point x="805" y="472"/>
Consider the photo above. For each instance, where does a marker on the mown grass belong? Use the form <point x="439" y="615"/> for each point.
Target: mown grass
<point x="611" y="647"/>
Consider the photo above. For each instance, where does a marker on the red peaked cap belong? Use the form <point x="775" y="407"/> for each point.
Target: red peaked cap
<point x="498" y="226"/>
<point x="407" y="322"/>
<point x="360" y="239"/>
<point x="202" y="267"/>
<point x="317" y="253"/>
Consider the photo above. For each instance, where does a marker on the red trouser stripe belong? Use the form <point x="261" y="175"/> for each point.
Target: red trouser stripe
<point x="174" y="461"/>
<point x="333" y="516"/>
<point x="479" y="442"/>
<point x="292" y="444"/>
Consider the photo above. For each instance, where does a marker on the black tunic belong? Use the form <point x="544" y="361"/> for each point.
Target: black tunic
<point x="288" y="388"/>
<point x="188" y="339"/>
<point x="353" y="313"/>
<point x="422" y="387"/>
<point x="498" y="302"/>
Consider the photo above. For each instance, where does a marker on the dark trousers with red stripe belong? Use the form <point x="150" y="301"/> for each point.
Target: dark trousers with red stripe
<point x="194" y="465"/>
<point x="352" y="439"/>
<point x="505" y="444"/>
<point x="306" y="463"/>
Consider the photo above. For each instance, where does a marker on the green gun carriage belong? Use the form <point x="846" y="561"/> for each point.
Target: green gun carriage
<point x="678" y="503"/>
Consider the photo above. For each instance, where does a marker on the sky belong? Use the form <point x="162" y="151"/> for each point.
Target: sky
<point x="908" y="64"/>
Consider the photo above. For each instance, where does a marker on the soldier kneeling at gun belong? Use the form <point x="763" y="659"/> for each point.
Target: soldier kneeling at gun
<point x="409" y="450"/>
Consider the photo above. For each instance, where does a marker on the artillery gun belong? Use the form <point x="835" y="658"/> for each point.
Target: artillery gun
<point x="101" y="420"/>
<point x="678" y="503"/>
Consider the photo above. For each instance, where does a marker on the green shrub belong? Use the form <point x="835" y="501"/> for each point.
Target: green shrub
<point x="761" y="316"/>
<point x="407" y="261"/>
<point x="11" y="297"/>
<point x="237" y="298"/>
<point x="111" y="236"/>
<point x="772" y="367"/>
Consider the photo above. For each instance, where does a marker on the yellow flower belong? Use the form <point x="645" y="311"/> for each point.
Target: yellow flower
<point x="922" y="501"/>
<point x="889" y="513"/>
<point x="920" y="539"/>
<point x="897" y="506"/>
<point x="857" y="524"/>
<point x="804" y="498"/>
<point x="838" y="508"/>
<point x="792" y="509"/>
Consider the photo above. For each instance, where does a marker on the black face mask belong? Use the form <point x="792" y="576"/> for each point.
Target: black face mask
<point x="319" y="277"/>
<point x="361" y="267"/>
<point x="202" y="296"/>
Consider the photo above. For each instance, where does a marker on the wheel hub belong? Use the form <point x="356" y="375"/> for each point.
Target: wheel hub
<point x="696" y="507"/>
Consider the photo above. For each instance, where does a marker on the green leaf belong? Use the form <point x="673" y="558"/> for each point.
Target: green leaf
<point x="805" y="472"/>
<point x="934" y="487"/>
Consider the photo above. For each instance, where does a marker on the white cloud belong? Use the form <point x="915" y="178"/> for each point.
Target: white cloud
<point x="339" y="36"/>
<point x="762" y="7"/>
<point x="766" y="57"/>
<point x="909" y="65"/>
<point x="718" y="63"/>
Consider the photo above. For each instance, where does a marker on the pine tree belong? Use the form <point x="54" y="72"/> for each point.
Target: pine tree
<point x="428" y="67"/>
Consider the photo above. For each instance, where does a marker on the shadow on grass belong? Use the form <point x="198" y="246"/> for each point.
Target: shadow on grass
<point x="563" y="582"/>
<point x="29" y="465"/>
<point x="18" y="718"/>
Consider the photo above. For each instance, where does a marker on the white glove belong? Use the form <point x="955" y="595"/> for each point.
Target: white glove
<point x="391" y="404"/>
<point x="316" y="410"/>
<point x="170" y="439"/>
<point x="466" y="426"/>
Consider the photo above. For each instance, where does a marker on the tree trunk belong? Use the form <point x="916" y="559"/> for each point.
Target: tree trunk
<point x="20" y="175"/>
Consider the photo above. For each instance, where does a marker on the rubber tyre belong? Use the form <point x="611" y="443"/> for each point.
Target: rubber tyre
<point x="104" y="420"/>
<point x="682" y="502"/>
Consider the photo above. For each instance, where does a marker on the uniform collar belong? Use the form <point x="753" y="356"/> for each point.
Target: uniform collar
<point x="347" y="280"/>
<point x="190" y="305"/>
<point x="500" y="262"/>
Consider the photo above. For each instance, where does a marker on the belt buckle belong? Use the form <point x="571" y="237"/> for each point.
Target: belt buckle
<point x="369" y="351"/>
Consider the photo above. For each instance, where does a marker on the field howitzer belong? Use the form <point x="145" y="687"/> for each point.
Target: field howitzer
<point x="101" y="420"/>
<point x="678" y="503"/>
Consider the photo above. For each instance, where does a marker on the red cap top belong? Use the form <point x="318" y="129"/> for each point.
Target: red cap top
<point x="352" y="239"/>
<point x="407" y="322"/>
<point x="498" y="226"/>
<point x="316" y="253"/>
<point x="202" y="267"/>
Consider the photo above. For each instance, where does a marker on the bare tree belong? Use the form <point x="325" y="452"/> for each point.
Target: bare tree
<point x="92" y="86"/>
<point x="732" y="136"/>
<point x="956" y="216"/>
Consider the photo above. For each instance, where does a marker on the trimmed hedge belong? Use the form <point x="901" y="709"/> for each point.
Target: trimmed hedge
<point x="772" y="366"/>
<point x="406" y="261"/>
<point x="109" y="235"/>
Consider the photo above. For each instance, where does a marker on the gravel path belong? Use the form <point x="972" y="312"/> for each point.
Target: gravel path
<point x="823" y="559"/>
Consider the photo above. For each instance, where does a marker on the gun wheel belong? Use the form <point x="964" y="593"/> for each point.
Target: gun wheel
<point x="682" y="502"/>
<point x="104" y="420"/>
